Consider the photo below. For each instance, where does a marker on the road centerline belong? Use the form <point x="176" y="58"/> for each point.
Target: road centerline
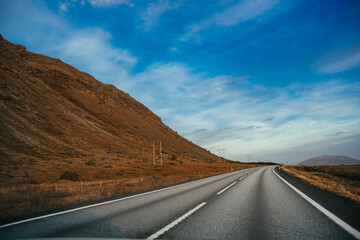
<point x="242" y="178"/>
<point x="175" y="222"/>
<point x="226" y="188"/>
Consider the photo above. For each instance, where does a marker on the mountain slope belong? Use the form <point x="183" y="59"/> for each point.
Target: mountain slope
<point x="329" y="160"/>
<point x="55" y="117"/>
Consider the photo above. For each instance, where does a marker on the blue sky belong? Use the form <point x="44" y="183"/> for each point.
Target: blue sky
<point x="274" y="78"/>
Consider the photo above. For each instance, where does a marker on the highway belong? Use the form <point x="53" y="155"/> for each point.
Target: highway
<point x="256" y="203"/>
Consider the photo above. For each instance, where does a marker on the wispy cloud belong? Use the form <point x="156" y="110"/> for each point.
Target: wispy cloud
<point x="27" y="22"/>
<point x="154" y="11"/>
<point x="91" y="50"/>
<point x="346" y="144"/>
<point x="215" y="111"/>
<point x="238" y="12"/>
<point x="339" y="61"/>
<point x="169" y="77"/>
<point x="66" y="4"/>
<point x="210" y="112"/>
<point x="337" y="134"/>
<point x="243" y="11"/>
<point x="110" y="3"/>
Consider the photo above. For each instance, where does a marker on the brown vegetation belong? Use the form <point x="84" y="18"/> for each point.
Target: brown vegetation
<point x="343" y="180"/>
<point x="25" y="198"/>
<point x="55" y="118"/>
<point x="61" y="130"/>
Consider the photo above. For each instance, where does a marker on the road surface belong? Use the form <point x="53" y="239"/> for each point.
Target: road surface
<point x="248" y="204"/>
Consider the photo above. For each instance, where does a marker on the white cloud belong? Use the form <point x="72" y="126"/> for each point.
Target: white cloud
<point x="339" y="61"/>
<point x="248" y="119"/>
<point x="344" y="145"/>
<point x="174" y="49"/>
<point x="169" y="77"/>
<point x="243" y="11"/>
<point x="90" y="50"/>
<point x="155" y="10"/>
<point x="110" y="3"/>
<point x="221" y="116"/>
<point x="26" y="22"/>
<point x="65" y="5"/>
<point x="217" y="111"/>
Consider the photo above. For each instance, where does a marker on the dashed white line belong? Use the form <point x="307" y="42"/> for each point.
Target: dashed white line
<point x="327" y="213"/>
<point x="242" y="177"/>
<point x="175" y="222"/>
<point x="226" y="188"/>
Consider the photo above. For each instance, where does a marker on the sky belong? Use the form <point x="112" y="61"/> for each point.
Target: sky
<point x="276" y="79"/>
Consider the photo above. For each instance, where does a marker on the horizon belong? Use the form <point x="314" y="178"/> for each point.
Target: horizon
<point x="275" y="79"/>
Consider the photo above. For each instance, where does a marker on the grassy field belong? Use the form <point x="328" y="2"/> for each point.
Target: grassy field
<point x="343" y="180"/>
<point x="30" y="197"/>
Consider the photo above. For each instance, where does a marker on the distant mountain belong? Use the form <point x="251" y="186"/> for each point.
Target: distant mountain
<point x="329" y="160"/>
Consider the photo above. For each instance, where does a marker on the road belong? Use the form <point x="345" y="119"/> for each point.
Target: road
<point x="247" y="204"/>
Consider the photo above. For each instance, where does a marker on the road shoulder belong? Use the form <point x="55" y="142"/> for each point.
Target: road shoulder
<point x="342" y="208"/>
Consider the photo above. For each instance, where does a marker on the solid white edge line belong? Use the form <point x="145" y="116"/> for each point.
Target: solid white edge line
<point x="355" y="233"/>
<point x="226" y="188"/>
<point x="99" y="204"/>
<point x="175" y="222"/>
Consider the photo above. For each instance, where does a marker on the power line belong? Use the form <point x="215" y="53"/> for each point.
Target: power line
<point x="249" y="157"/>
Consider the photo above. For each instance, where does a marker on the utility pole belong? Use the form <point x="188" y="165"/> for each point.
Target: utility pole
<point x="154" y="152"/>
<point x="221" y="153"/>
<point x="250" y="158"/>
<point x="161" y="153"/>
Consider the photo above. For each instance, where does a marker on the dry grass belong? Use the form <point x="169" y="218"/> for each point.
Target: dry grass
<point x="59" y="123"/>
<point x="20" y="199"/>
<point x="344" y="181"/>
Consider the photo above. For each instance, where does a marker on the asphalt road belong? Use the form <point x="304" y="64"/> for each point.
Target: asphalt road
<point x="247" y="204"/>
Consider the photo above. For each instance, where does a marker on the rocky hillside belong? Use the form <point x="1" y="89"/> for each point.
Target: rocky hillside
<point x="55" y="118"/>
<point x="329" y="160"/>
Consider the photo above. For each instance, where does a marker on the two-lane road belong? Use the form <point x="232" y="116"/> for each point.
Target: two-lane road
<point x="247" y="204"/>
<point x="261" y="206"/>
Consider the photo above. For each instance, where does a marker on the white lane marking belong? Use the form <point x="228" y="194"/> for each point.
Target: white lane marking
<point x="175" y="222"/>
<point x="226" y="188"/>
<point x="242" y="177"/>
<point x="355" y="233"/>
<point x="103" y="203"/>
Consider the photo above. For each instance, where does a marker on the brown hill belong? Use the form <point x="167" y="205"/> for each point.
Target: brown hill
<point x="56" y="118"/>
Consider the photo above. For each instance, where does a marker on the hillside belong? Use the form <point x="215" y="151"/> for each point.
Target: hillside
<point x="329" y="160"/>
<point x="55" y="118"/>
